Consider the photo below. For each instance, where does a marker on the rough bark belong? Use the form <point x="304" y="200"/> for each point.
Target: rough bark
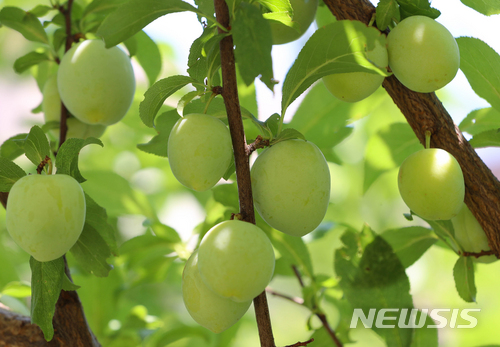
<point x="424" y="111"/>
<point x="231" y="101"/>
<point x="70" y="327"/>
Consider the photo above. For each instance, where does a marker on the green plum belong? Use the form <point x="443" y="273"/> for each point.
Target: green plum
<point x="45" y="214"/>
<point x="207" y="308"/>
<point x="423" y="54"/>
<point x="470" y="235"/>
<point x="199" y="151"/>
<point x="355" y="86"/>
<point x="96" y="83"/>
<point x="51" y="107"/>
<point x="304" y="12"/>
<point x="291" y="186"/>
<point x="236" y="260"/>
<point x="431" y="184"/>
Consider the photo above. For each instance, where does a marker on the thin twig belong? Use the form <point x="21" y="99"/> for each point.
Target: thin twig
<point x="300" y="344"/>
<point x="317" y="312"/>
<point x="294" y="299"/>
<point x="477" y="254"/>
<point x="258" y="143"/>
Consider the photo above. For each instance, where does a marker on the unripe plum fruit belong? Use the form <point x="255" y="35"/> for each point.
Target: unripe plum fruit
<point x="423" y="54"/>
<point x="236" y="260"/>
<point x="51" y="107"/>
<point x="355" y="86"/>
<point x="96" y="83"/>
<point x="470" y="235"/>
<point x="431" y="184"/>
<point x="207" y="308"/>
<point x="304" y="12"/>
<point x="45" y="214"/>
<point x="291" y="186"/>
<point x="199" y="151"/>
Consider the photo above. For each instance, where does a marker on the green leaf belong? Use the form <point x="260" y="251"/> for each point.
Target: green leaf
<point x="204" y="57"/>
<point x="387" y="10"/>
<point x="425" y="336"/>
<point x="417" y="7"/>
<point x="97" y="218"/>
<point x="13" y="147"/>
<point x="159" y="144"/>
<point x="41" y="10"/>
<point x="157" y="94"/>
<point x="227" y="195"/>
<point x="344" y="45"/>
<point x="387" y="149"/>
<point x="91" y="252"/>
<point x="16" y="289"/>
<point x="444" y="230"/>
<point x="9" y="174"/>
<point x="463" y="273"/>
<point x="481" y="65"/>
<point x="486" y="7"/>
<point x="410" y="243"/>
<point x="481" y="120"/>
<point x="150" y="257"/>
<point x="67" y="285"/>
<point x="67" y="156"/>
<point x="252" y="38"/>
<point x="148" y="55"/>
<point x="378" y="281"/>
<point x="37" y="146"/>
<point x="489" y="138"/>
<point x="101" y="7"/>
<point x="26" y="61"/>
<point x="134" y="15"/>
<point x="46" y="284"/>
<point x="288" y="134"/>
<point x="109" y="189"/>
<point x="293" y="250"/>
<point x="24" y="22"/>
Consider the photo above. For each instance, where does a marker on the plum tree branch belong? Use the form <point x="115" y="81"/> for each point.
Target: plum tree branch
<point x="231" y="101"/>
<point x="70" y="325"/>
<point x="424" y="111"/>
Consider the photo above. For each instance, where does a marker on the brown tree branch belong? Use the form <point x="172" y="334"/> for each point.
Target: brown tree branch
<point x="231" y="101"/>
<point x="424" y="111"/>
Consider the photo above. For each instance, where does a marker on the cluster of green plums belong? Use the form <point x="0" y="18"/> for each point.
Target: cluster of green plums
<point x="290" y="179"/>
<point x="95" y="83"/>
<point x="233" y="264"/>
<point x="421" y="53"/>
<point x="431" y="184"/>
<point x="235" y="259"/>
<point x="45" y="214"/>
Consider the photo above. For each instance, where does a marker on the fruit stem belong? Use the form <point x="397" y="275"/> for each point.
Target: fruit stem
<point x="427" y="139"/>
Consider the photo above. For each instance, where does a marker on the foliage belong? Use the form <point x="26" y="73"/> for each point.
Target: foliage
<point x="142" y="225"/>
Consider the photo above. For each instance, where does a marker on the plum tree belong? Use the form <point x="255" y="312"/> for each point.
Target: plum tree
<point x="470" y="235"/>
<point x="45" y="214"/>
<point x="304" y="12"/>
<point x="431" y="184"/>
<point x="355" y="86"/>
<point x="96" y="84"/>
<point x="51" y="107"/>
<point x="423" y="54"/>
<point x="291" y="186"/>
<point x="236" y="260"/>
<point x="199" y="151"/>
<point x="207" y="308"/>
